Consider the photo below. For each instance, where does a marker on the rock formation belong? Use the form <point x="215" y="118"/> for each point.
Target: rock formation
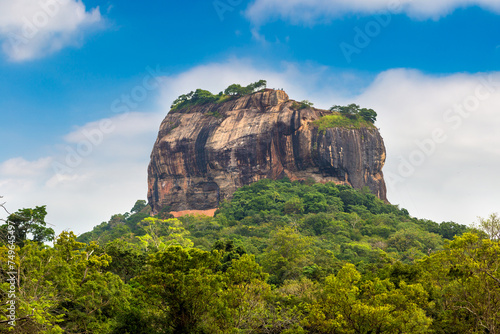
<point x="204" y="153"/>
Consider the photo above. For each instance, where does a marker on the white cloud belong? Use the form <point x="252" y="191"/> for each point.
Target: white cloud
<point x="301" y="82"/>
<point x="95" y="172"/>
<point x="32" y="29"/>
<point x="100" y="174"/>
<point x="314" y="11"/>
<point x="21" y="167"/>
<point x="453" y="177"/>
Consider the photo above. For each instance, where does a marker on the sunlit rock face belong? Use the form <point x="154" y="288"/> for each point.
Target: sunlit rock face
<point x="204" y="153"/>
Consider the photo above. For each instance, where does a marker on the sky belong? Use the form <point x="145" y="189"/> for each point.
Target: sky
<point x="85" y="84"/>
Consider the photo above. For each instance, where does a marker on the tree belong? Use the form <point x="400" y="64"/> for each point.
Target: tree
<point x="64" y="289"/>
<point x="305" y="104"/>
<point x="229" y="252"/>
<point x="287" y="254"/>
<point x="183" y="285"/>
<point x="202" y="96"/>
<point x="234" y="90"/>
<point x="465" y="284"/>
<point x="29" y="222"/>
<point x="243" y="302"/>
<point x="354" y="111"/>
<point x="347" y="304"/>
<point x="448" y="230"/>
<point x="256" y="86"/>
<point x="161" y="233"/>
<point x="128" y="260"/>
<point x="368" y="115"/>
<point x="294" y="205"/>
<point x="181" y="100"/>
<point x="2" y="205"/>
<point x="138" y="206"/>
<point x="238" y="90"/>
<point x="491" y="226"/>
<point x="349" y="111"/>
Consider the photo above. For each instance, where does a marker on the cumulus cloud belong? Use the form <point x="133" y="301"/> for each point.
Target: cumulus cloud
<point x="323" y="86"/>
<point x="439" y="131"/>
<point x="442" y="147"/>
<point x="99" y="169"/>
<point x="32" y="29"/>
<point x="313" y="11"/>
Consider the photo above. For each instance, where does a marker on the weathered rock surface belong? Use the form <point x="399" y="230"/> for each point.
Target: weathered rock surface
<point x="204" y="153"/>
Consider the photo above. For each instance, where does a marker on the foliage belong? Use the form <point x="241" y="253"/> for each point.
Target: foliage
<point x="353" y="111"/>
<point x="200" y="96"/>
<point x="182" y="283"/>
<point x="491" y="226"/>
<point x="64" y="288"/>
<point x="465" y="281"/>
<point x="279" y="257"/>
<point x="287" y="254"/>
<point x="238" y="90"/>
<point x="139" y="206"/>
<point x="28" y="222"/>
<point x="302" y="104"/>
<point x="161" y="233"/>
<point x="350" y="117"/>
<point x="339" y="121"/>
<point x="347" y="304"/>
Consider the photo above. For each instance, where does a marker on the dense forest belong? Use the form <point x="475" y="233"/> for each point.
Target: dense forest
<point x="279" y="257"/>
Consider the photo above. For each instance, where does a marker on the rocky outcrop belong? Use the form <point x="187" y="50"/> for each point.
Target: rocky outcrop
<point x="204" y="153"/>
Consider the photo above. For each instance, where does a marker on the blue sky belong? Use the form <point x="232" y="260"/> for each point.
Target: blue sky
<point x="67" y="65"/>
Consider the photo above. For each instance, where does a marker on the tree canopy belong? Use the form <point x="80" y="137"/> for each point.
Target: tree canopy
<point x="201" y="96"/>
<point x="28" y="223"/>
<point x="354" y="111"/>
<point x="279" y="257"/>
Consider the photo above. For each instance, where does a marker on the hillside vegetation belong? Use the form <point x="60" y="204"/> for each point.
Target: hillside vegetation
<point x="280" y="257"/>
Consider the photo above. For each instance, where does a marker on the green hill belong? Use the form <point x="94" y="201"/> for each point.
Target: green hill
<point x="280" y="257"/>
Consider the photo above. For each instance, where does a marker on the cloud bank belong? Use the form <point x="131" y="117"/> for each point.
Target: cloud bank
<point x="439" y="131"/>
<point x="31" y="29"/>
<point x="314" y="11"/>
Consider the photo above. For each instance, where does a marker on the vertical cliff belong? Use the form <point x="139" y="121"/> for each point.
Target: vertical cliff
<point x="204" y="153"/>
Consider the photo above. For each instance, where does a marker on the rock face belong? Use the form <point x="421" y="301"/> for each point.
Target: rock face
<point x="204" y="153"/>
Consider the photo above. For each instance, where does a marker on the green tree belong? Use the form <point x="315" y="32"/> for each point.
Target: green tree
<point x="448" y="230"/>
<point x="234" y="89"/>
<point x="161" y="233"/>
<point x="465" y="283"/>
<point x="138" y="206"/>
<point x="256" y="86"/>
<point x="183" y="284"/>
<point x="368" y="115"/>
<point x="491" y="226"/>
<point x="305" y="104"/>
<point x="243" y="300"/>
<point x="294" y="205"/>
<point x="65" y="288"/>
<point x="347" y="304"/>
<point x="238" y="90"/>
<point x="287" y="254"/>
<point x="128" y="260"/>
<point x="354" y="111"/>
<point x="349" y="111"/>
<point x="28" y="222"/>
